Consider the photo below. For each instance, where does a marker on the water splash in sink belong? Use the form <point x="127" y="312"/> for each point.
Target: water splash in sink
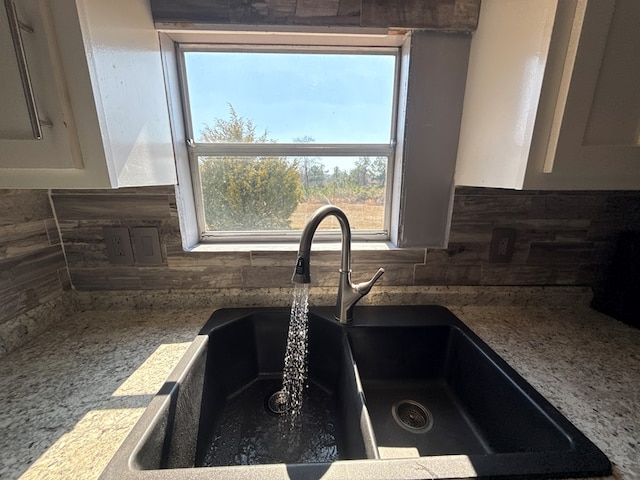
<point x="294" y="374"/>
<point x="248" y="433"/>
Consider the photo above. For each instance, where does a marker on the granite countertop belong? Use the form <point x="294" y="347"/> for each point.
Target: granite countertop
<point x="70" y="396"/>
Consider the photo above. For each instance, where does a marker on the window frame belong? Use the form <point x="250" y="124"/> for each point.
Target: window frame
<point x="431" y="95"/>
<point x="196" y="149"/>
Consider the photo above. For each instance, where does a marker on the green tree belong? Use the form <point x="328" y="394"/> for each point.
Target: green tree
<point x="246" y="193"/>
<point x="361" y="173"/>
<point x="379" y="171"/>
<point x="235" y="129"/>
<point x="311" y="170"/>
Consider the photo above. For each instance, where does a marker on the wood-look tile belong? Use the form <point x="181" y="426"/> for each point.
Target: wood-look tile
<point x="111" y="207"/>
<point x="172" y="239"/>
<point x="394" y="275"/>
<point x="459" y="254"/>
<point x="67" y="227"/>
<point x="211" y="277"/>
<point x="22" y="206"/>
<point x="329" y="258"/>
<point x="272" y="276"/>
<point x="499" y="274"/>
<point x="434" y="274"/>
<point x="52" y="231"/>
<point x="407" y="256"/>
<point x="21" y="298"/>
<point x="315" y="8"/>
<point x="460" y="15"/>
<point x="103" y="279"/>
<point x="65" y="279"/>
<point x="239" y="12"/>
<point x="22" y="238"/>
<point x="81" y="255"/>
<point x="556" y="237"/>
<point x="560" y="230"/>
<point x="479" y="208"/>
<point x="276" y="258"/>
<point x="202" y="11"/>
<point x="623" y="208"/>
<point x="148" y="190"/>
<point x="18" y="270"/>
<point x="83" y="232"/>
<point x="566" y="205"/>
<point x="206" y="278"/>
<point x="605" y="230"/>
<point x="326" y="276"/>
<point x="349" y="8"/>
<point x="29" y="262"/>
<point x="559" y="253"/>
<point x="180" y="258"/>
<point x="462" y="191"/>
<point x="154" y="278"/>
<point x="470" y="231"/>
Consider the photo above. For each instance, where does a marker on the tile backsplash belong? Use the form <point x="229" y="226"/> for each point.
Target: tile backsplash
<point x="33" y="272"/>
<point x="562" y="238"/>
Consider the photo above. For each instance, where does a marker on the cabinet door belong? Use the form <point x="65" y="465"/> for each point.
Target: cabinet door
<point x="595" y="143"/>
<point x="553" y="96"/>
<point x="97" y="78"/>
<point x="32" y="98"/>
<point x="509" y="53"/>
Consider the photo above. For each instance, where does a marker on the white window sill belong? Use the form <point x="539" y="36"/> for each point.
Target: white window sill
<point x="326" y="246"/>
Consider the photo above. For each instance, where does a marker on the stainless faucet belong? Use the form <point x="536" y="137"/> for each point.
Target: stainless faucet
<point x="348" y="293"/>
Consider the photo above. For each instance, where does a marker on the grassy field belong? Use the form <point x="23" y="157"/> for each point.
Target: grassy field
<point x="361" y="216"/>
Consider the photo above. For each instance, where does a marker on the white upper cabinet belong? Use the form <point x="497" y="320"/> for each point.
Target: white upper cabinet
<point x="553" y="96"/>
<point x="95" y="75"/>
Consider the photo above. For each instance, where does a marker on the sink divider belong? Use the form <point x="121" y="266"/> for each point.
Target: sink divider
<point x="361" y="421"/>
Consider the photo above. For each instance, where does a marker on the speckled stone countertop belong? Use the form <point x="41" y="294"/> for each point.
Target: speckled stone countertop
<point x="70" y="396"/>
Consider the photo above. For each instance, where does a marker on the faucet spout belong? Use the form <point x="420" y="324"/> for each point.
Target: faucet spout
<point x="348" y="292"/>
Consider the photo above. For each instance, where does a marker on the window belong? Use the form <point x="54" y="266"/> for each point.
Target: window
<point x="423" y="99"/>
<point x="276" y="132"/>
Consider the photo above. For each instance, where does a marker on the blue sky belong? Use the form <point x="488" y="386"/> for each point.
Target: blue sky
<point x="342" y="98"/>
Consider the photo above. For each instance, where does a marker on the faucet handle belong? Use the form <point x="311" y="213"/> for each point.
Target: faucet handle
<point x="364" y="287"/>
<point x="349" y="294"/>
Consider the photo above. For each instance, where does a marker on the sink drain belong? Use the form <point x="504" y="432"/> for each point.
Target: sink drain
<point x="277" y="402"/>
<point x="412" y="416"/>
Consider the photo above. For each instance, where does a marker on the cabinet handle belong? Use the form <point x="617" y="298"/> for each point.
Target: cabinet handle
<point x="14" y="26"/>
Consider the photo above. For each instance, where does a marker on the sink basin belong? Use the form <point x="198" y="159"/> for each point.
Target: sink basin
<point x="244" y="370"/>
<point x="402" y="392"/>
<point x="447" y="393"/>
<point x="214" y="411"/>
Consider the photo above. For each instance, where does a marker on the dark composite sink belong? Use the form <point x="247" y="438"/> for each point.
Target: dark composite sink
<point x="239" y="425"/>
<point x="436" y="389"/>
<point x="402" y="392"/>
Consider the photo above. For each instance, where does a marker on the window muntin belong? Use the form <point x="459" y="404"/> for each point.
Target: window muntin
<point x="310" y="119"/>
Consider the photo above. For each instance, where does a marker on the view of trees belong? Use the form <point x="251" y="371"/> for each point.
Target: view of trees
<point x="261" y="193"/>
<point x="246" y="193"/>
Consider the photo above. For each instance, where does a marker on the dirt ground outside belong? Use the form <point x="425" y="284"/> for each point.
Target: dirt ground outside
<point x="362" y="216"/>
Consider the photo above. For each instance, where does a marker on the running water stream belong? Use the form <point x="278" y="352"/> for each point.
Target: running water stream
<point x="257" y="428"/>
<point x="294" y="374"/>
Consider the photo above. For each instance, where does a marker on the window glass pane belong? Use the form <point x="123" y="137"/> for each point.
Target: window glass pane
<point x="244" y="193"/>
<point x="291" y="97"/>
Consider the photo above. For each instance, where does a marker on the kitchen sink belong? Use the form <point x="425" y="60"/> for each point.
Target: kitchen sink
<point x="401" y="392"/>
<point x="433" y="388"/>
